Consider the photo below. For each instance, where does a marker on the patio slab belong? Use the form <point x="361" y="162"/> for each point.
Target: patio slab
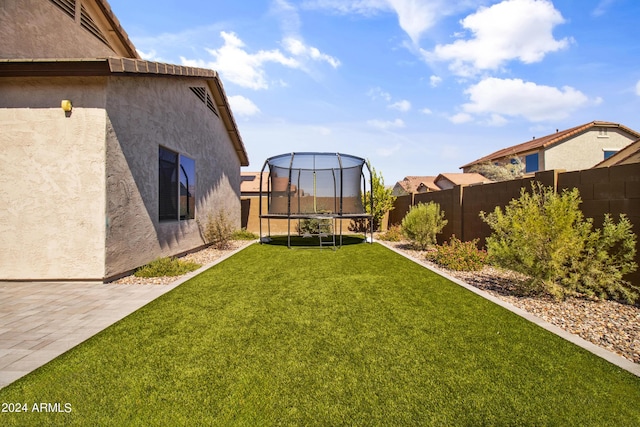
<point x="39" y="321"/>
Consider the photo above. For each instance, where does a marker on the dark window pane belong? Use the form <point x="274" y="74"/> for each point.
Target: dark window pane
<point x="531" y="163"/>
<point x="187" y="188"/>
<point x="168" y="184"/>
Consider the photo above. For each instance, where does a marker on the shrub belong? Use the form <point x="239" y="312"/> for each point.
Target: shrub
<point x="458" y="255"/>
<point x="422" y="223"/>
<point x="217" y="231"/>
<point x="243" y="234"/>
<point x="544" y="235"/>
<point x="166" y="267"/>
<point x="393" y="234"/>
<point x="314" y="225"/>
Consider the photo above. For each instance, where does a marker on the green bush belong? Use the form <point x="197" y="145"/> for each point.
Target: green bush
<point x="243" y="234"/>
<point x="393" y="234"/>
<point x="314" y="225"/>
<point x="422" y="223"/>
<point x="458" y="255"/>
<point x="166" y="267"/>
<point x="544" y="235"/>
<point x="217" y="231"/>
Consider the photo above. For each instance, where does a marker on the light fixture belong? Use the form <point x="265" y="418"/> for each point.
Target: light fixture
<point x="66" y="105"/>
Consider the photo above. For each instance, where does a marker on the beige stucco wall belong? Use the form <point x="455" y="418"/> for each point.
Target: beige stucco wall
<point x="144" y="113"/>
<point x="584" y="151"/>
<point x="39" y="29"/>
<point x="52" y="179"/>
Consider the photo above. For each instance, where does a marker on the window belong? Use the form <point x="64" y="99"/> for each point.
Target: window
<point x="531" y="163"/>
<point x="176" y="186"/>
<point x="609" y="153"/>
<point x="602" y="133"/>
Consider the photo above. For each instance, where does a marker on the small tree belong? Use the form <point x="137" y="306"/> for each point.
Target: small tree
<point x="422" y="223"/>
<point x="383" y="201"/>
<point x="544" y="235"/>
<point x="501" y="172"/>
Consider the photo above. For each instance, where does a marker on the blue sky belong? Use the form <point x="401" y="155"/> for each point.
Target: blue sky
<point x="418" y="87"/>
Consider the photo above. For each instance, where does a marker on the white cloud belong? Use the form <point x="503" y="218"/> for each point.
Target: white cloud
<point x="386" y="151"/>
<point x="378" y="93"/>
<point x="638" y="88"/>
<point x="517" y="98"/>
<point x="403" y="106"/>
<point x="415" y="17"/>
<point x="237" y="65"/>
<point x="426" y="111"/>
<point x="511" y="30"/>
<point x="435" y="81"/>
<point x="461" y="118"/>
<point x="297" y="48"/>
<point x="602" y="7"/>
<point x="242" y="106"/>
<point x="385" y="125"/>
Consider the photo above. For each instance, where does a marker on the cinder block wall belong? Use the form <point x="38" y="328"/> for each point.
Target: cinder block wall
<point x="614" y="190"/>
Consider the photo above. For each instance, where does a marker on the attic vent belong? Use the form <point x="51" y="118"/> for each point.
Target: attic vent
<point x="88" y="24"/>
<point x="200" y="92"/>
<point x="210" y="105"/>
<point x="203" y="96"/>
<point x="67" y="6"/>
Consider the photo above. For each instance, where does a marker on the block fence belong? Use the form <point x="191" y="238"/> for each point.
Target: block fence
<point x="614" y="190"/>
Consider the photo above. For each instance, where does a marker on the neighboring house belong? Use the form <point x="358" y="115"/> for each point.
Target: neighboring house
<point x="250" y="183"/>
<point x="108" y="160"/>
<point x="445" y="181"/>
<point x="629" y="154"/>
<point x="414" y="185"/>
<point x="577" y="148"/>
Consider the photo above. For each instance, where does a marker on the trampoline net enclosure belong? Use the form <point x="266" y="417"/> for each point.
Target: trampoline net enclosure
<point x="307" y="185"/>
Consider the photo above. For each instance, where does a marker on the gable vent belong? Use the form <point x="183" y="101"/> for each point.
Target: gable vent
<point x="200" y="92"/>
<point x="210" y="105"/>
<point x="67" y="6"/>
<point x="88" y="24"/>
<point x="203" y="96"/>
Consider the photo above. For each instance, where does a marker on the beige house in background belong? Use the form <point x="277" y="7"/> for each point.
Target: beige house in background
<point x="581" y="147"/>
<point x="107" y="160"/>
<point x="629" y="154"/>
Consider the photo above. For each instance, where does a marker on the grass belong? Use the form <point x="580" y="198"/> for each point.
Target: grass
<point x="167" y="266"/>
<point x="356" y="336"/>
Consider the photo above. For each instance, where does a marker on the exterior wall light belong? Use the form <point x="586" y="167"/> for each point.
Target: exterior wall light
<point x="66" y="105"/>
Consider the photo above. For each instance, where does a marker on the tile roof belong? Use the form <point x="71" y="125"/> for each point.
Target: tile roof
<point x="118" y="31"/>
<point x="547" y="141"/>
<point x="250" y="182"/>
<point x="463" y="178"/>
<point x="411" y="183"/>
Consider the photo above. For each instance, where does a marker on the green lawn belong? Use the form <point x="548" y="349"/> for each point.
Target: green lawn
<point x="355" y="336"/>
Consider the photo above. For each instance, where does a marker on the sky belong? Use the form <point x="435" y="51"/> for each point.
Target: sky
<point x="417" y="87"/>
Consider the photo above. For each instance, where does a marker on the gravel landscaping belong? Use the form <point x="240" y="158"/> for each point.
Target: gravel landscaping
<point x="608" y="324"/>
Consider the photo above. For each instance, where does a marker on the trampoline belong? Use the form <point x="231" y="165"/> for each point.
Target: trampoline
<point x="318" y="189"/>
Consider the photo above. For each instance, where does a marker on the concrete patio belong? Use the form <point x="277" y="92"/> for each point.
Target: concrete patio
<point x="39" y="321"/>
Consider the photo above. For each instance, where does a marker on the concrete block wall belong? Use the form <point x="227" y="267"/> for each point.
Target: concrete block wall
<point x="614" y="190"/>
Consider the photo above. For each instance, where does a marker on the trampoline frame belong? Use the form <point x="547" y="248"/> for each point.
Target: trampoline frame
<point x="334" y="217"/>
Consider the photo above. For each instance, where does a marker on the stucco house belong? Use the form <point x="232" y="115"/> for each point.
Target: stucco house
<point x="577" y="148"/>
<point x="629" y="154"/>
<point x="108" y="161"/>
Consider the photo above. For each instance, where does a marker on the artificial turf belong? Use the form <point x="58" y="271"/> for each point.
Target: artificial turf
<point x="355" y="336"/>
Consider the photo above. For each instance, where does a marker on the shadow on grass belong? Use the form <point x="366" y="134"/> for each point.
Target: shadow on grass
<point x="314" y="241"/>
